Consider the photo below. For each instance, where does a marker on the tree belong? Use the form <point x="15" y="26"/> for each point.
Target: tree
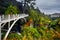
<point x="28" y="4"/>
<point x="11" y="10"/>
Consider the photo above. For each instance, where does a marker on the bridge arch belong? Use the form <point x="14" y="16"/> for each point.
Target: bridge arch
<point x="12" y="27"/>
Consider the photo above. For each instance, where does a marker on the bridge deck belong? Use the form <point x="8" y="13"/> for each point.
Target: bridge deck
<point x="8" y="18"/>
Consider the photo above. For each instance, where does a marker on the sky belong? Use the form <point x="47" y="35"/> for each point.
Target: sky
<point x="48" y="6"/>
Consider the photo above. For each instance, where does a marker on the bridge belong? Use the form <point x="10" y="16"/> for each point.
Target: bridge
<point x="8" y="18"/>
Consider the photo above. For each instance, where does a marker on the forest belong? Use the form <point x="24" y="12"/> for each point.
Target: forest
<point x="38" y="26"/>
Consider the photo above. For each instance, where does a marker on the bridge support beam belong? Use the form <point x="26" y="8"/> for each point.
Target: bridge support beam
<point x="10" y="19"/>
<point x="10" y="29"/>
<point x="0" y="28"/>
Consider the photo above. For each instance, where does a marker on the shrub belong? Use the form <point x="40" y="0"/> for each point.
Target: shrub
<point x="11" y="10"/>
<point x="30" y="31"/>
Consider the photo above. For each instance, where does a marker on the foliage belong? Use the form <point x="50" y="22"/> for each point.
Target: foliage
<point x="15" y="36"/>
<point x="3" y="34"/>
<point x="11" y="10"/>
<point x="55" y="24"/>
<point x="33" y="14"/>
<point x="30" y="32"/>
<point x="45" y="33"/>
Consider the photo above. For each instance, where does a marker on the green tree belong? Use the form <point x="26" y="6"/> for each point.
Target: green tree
<point x="28" y="4"/>
<point x="11" y="10"/>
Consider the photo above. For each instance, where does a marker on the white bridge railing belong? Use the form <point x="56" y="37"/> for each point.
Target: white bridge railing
<point x="7" y="18"/>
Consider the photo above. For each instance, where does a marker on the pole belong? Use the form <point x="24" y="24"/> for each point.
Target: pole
<point x="0" y="27"/>
<point x="9" y="21"/>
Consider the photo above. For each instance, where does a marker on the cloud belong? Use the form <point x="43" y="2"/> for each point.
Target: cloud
<point x="48" y="6"/>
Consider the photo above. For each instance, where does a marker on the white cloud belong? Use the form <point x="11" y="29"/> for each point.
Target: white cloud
<point x="48" y="6"/>
<point x="19" y="0"/>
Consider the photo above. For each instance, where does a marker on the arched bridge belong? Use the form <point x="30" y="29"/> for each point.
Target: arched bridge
<point x="7" y="18"/>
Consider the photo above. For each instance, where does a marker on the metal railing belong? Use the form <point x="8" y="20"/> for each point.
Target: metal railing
<point x="11" y="17"/>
